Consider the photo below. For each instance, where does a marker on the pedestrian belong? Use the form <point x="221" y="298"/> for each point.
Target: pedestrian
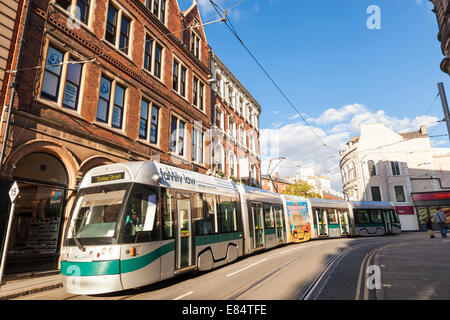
<point x="441" y="218"/>
<point x="429" y="226"/>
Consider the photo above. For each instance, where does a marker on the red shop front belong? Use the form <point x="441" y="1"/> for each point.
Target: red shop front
<point x="427" y="203"/>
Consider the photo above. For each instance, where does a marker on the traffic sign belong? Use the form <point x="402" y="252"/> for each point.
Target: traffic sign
<point x="14" y="191"/>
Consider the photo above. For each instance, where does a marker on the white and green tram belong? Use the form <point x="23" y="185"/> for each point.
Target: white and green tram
<point x="136" y="223"/>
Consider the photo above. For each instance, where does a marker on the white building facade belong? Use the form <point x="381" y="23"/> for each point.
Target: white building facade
<point x="382" y="165"/>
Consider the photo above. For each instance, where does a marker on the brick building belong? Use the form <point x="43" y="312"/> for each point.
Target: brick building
<point x="442" y="10"/>
<point x="235" y="127"/>
<point x="99" y="82"/>
<point x="276" y="184"/>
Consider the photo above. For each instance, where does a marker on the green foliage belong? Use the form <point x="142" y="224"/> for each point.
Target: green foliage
<point x="303" y="189"/>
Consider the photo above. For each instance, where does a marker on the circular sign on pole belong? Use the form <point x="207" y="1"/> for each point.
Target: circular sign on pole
<point x="13" y="192"/>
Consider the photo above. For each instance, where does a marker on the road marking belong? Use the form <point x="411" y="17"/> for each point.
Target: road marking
<point x="331" y="266"/>
<point x="184" y="295"/>
<point x="252" y="265"/>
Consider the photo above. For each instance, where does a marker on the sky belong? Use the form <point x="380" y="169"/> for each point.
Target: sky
<point x="338" y="72"/>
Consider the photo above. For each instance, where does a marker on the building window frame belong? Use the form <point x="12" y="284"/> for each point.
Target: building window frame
<point x="150" y="120"/>
<point x="179" y="77"/>
<point x="403" y="195"/>
<point x="177" y="139"/>
<point x="115" y="38"/>
<point x="158" y="8"/>
<point x="198" y="93"/>
<point x="72" y="8"/>
<point x="60" y="67"/>
<point x="372" y="168"/>
<point x="395" y="168"/>
<point x="372" y="188"/>
<point x="153" y="62"/>
<point x="198" y="140"/>
<point x="112" y="102"/>
<point x="196" y="44"/>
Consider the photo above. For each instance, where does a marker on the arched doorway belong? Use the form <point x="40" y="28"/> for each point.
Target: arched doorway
<point x="38" y="216"/>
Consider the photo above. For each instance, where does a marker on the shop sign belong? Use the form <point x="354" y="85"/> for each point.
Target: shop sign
<point x="405" y="210"/>
<point x="431" y="196"/>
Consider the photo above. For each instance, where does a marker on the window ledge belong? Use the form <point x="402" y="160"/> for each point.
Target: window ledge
<point x="57" y="107"/>
<point x="112" y="46"/>
<point x="179" y="95"/>
<point x="153" y="76"/>
<point x="149" y="144"/>
<point x="109" y="128"/>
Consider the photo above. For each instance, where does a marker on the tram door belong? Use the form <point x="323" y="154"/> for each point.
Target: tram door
<point x="184" y="234"/>
<point x="279" y="223"/>
<point x="322" y="222"/>
<point x="258" y="223"/>
<point x="343" y="221"/>
<point x="387" y="222"/>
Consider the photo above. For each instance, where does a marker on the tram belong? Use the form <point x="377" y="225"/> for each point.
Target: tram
<point x="137" y="223"/>
<point x="374" y="218"/>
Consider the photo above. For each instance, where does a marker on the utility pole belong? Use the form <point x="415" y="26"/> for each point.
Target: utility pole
<point x="444" y="106"/>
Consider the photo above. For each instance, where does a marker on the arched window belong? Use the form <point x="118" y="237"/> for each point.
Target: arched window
<point x="372" y="168"/>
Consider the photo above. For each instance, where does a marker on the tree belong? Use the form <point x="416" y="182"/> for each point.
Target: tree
<point x="303" y="189"/>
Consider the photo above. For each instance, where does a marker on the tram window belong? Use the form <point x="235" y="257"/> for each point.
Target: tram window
<point x="167" y="206"/>
<point x="362" y="217"/>
<point x="209" y="223"/>
<point x="97" y="214"/>
<point x="375" y="216"/>
<point x="394" y="216"/>
<point x="227" y="214"/>
<point x="204" y="214"/>
<point x="269" y="221"/>
<point x="197" y="210"/>
<point x="332" y="217"/>
<point x="140" y="223"/>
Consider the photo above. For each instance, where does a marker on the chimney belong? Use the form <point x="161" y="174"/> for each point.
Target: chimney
<point x="423" y="130"/>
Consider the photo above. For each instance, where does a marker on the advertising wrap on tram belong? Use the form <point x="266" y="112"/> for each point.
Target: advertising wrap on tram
<point x="298" y="219"/>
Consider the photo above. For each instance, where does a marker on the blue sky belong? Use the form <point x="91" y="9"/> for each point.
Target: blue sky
<point x="337" y="72"/>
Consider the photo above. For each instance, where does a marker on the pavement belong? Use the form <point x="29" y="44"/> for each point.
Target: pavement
<point x="413" y="267"/>
<point x="17" y="285"/>
<point x="416" y="269"/>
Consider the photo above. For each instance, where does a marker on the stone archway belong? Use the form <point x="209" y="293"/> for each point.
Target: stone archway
<point x="46" y="174"/>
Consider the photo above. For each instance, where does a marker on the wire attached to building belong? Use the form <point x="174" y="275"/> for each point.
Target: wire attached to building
<point x="94" y="57"/>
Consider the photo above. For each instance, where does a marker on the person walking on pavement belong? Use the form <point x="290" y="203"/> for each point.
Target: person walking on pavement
<point x="441" y="218"/>
<point x="429" y="226"/>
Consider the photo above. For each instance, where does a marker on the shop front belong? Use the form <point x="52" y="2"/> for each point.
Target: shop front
<point x="427" y="203"/>
<point x="39" y="214"/>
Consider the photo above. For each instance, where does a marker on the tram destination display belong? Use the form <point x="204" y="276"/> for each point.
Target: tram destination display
<point x="108" y="177"/>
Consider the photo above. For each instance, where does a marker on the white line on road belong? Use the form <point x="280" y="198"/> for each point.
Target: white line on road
<point x="184" y="295"/>
<point x="232" y="274"/>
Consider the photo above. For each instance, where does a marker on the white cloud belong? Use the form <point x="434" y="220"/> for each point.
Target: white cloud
<point x="300" y="146"/>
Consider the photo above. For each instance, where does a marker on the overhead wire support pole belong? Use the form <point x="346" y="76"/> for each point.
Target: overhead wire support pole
<point x="444" y="106"/>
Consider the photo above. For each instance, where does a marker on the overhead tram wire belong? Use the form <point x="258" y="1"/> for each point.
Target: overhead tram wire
<point x="432" y="104"/>
<point x="233" y="30"/>
<point x="94" y="57"/>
